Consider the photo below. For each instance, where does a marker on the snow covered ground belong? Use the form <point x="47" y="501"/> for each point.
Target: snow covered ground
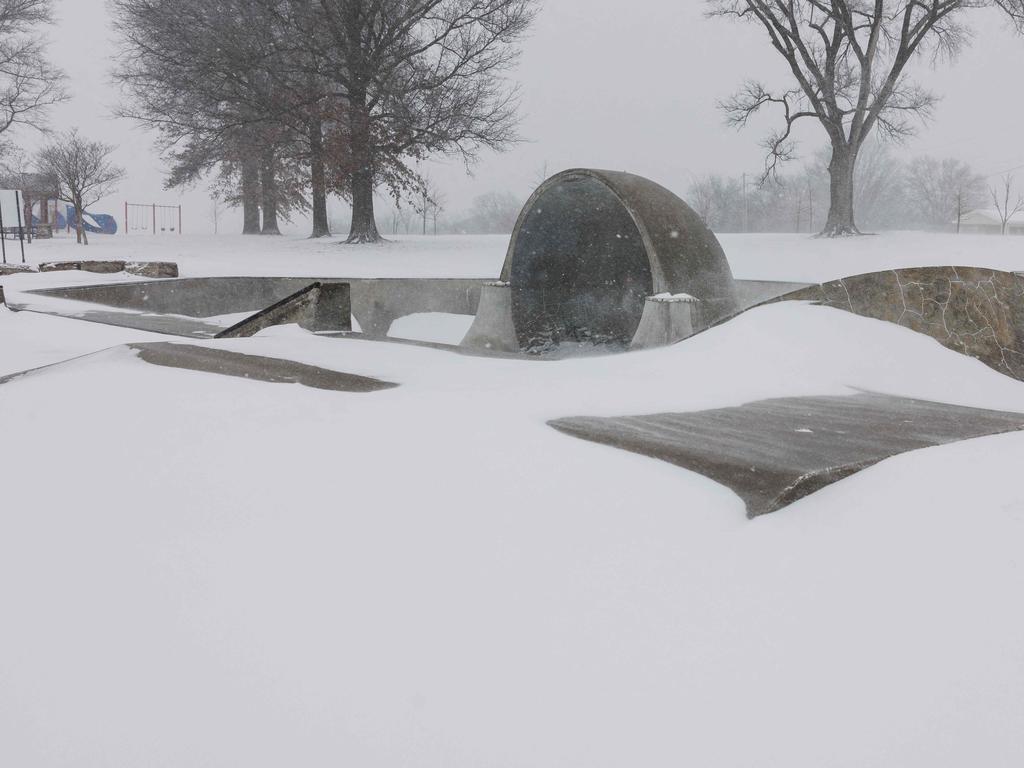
<point x="207" y="571"/>
<point x="762" y="257"/>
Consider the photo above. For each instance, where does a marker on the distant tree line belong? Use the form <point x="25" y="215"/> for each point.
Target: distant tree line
<point x="286" y="101"/>
<point x="492" y="213"/>
<point x="889" y="193"/>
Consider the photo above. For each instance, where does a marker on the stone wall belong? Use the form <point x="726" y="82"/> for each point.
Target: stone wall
<point x="977" y="312"/>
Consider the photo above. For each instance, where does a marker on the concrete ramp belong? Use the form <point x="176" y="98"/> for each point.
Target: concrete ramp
<point x="774" y="452"/>
<point x="254" y="367"/>
<point x="224" y="362"/>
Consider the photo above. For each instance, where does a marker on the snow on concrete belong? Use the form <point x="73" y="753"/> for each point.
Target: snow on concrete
<point x="437" y="327"/>
<point x="29" y="340"/>
<point x="793" y="257"/>
<point x="803" y="258"/>
<point x="201" y="570"/>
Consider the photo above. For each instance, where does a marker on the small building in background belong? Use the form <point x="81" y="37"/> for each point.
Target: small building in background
<point x="989" y="222"/>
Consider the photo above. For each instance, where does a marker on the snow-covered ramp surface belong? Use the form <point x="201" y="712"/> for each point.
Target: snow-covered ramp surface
<point x="204" y="570"/>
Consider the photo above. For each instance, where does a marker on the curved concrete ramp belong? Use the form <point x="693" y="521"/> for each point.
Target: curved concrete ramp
<point x="774" y="452"/>
<point x="591" y="246"/>
<point x="977" y="312"/>
<point x="223" y="362"/>
<point x="254" y="367"/>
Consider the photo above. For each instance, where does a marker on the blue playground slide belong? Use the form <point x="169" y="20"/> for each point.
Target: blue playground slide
<point x="93" y="223"/>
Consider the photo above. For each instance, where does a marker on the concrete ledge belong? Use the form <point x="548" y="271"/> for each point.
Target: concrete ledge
<point x="102" y="267"/>
<point x="7" y="270"/>
<point x="157" y="269"/>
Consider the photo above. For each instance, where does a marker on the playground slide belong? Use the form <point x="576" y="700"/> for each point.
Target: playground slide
<point x="93" y="223"/>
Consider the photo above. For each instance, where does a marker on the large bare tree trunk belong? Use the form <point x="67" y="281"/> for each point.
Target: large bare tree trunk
<point x="318" y="180"/>
<point x="840" y="220"/>
<point x="364" y="223"/>
<point x="80" y="233"/>
<point x="268" y="183"/>
<point x="250" y="196"/>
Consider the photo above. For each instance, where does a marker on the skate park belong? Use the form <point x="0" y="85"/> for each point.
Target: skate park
<point x="600" y="263"/>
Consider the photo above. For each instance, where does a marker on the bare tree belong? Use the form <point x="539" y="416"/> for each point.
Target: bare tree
<point x="1006" y="205"/>
<point x="849" y="60"/>
<point x="941" y="191"/>
<point x="438" y="206"/>
<point x="702" y="197"/>
<point x="29" y="85"/>
<point x="878" y="191"/>
<point x="541" y="175"/>
<point x="429" y="202"/>
<point x="415" y="77"/>
<point x="83" y="171"/>
<point x="1014" y="9"/>
<point x="225" y="86"/>
<point x="364" y="89"/>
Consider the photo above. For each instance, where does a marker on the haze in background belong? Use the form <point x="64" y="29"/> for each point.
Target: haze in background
<point x="603" y="86"/>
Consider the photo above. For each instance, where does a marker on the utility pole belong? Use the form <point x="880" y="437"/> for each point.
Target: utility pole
<point x="426" y="202"/>
<point x="746" y="206"/>
<point x="959" y="208"/>
<point x="810" y="206"/>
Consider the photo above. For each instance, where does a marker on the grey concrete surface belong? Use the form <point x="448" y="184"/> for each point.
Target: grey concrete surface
<point x="492" y="328"/>
<point x="666" y="320"/>
<point x="376" y="303"/>
<point x="590" y="246"/>
<point x="227" y="363"/>
<point x="774" y="452"/>
<point x="752" y="293"/>
<point x="170" y="325"/>
<point x="319" y="307"/>
<point x="254" y="367"/>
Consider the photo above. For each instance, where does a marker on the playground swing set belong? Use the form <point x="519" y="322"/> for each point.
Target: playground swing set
<point x="141" y="217"/>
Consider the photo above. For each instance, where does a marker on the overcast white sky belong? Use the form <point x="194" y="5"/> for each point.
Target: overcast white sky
<point x="606" y="84"/>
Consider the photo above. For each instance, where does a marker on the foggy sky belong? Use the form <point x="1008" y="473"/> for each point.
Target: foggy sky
<point x="605" y="84"/>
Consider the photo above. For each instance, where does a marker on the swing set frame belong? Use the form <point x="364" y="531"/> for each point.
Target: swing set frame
<point x="142" y="211"/>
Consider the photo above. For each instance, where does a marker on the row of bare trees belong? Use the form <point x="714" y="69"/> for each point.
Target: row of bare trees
<point x="280" y="98"/>
<point x="889" y="193"/>
<point x="1008" y="201"/>
<point x="850" y="64"/>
